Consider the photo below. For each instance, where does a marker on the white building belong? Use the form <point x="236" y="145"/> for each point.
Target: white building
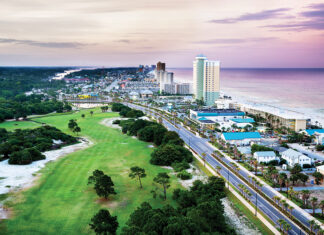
<point x="183" y="88"/>
<point x="133" y="95"/>
<point x="265" y="156"/>
<point x="294" y="157"/>
<point x="320" y="169"/>
<point x="206" y="79"/>
<point x="241" y="122"/>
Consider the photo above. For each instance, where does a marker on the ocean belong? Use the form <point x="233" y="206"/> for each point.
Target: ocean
<point x="299" y="90"/>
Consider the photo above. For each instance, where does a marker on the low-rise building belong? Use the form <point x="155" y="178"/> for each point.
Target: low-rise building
<point x="320" y="169"/>
<point x="241" y="138"/>
<point x="318" y="133"/>
<point x="277" y="117"/>
<point x="265" y="156"/>
<point x="146" y="94"/>
<point x="241" y="122"/>
<point x="216" y="115"/>
<point x="133" y="95"/>
<point x="294" y="157"/>
<point x="206" y="123"/>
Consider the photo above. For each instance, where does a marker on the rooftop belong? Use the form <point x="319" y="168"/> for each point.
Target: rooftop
<point x="243" y="120"/>
<point x="218" y="112"/>
<point x="292" y="153"/>
<point x="312" y="131"/>
<point x="241" y="135"/>
<point x="265" y="154"/>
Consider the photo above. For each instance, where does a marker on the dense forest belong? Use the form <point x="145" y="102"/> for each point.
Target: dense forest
<point x="25" y="146"/>
<point x="14" y="82"/>
<point x="17" y="80"/>
<point x="21" y="106"/>
<point x="100" y="72"/>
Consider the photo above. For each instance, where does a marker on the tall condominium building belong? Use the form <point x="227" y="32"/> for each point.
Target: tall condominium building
<point x="160" y="66"/>
<point x="206" y="79"/>
<point x="165" y="78"/>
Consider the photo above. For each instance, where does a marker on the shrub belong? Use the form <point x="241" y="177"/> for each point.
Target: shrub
<point x="167" y="154"/>
<point x="307" y="166"/>
<point x="180" y="166"/>
<point x="116" y="122"/>
<point x="184" y="175"/>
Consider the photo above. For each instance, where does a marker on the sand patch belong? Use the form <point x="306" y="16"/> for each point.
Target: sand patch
<point x="22" y="177"/>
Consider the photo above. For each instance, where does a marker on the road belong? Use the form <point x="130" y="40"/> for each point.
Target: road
<point x="201" y="145"/>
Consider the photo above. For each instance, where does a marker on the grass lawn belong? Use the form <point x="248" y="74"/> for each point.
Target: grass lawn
<point x="12" y="125"/>
<point x="63" y="203"/>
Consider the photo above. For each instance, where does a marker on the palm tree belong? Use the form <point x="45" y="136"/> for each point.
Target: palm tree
<point x="287" y="183"/>
<point x="290" y="192"/>
<point x="321" y="204"/>
<point x="311" y="225"/>
<point x="305" y="196"/>
<point x="287" y="227"/>
<point x="204" y="157"/>
<point x="218" y="168"/>
<point x="314" y="204"/>
<point x="282" y="178"/>
<point x="316" y="228"/>
<point x="283" y="202"/>
<point x="290" y="210"/>
<point x="281" y="222"/>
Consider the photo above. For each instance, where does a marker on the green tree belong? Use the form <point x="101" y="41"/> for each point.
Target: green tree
<point x="104" y="186"/>
<point x="103" y="223"/>
<point x="137" y="172"/>
<point x="77" y="130"/>
<point x="164" y="180"/>
<point x="282" y="178"/>
<point x="321" y="204"/>
<point x="83" y="115"/>
<point x="91" y="113"/>
<point x="72" y="124"/>
<point x="314" y="204"/>
<point x="96" y="174"/>
<point x="318" y="177"/>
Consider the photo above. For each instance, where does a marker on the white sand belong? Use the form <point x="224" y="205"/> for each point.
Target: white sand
<point x="17" y="177"/>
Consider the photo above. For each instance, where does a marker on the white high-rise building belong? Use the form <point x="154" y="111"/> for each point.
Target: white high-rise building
<point x="206" y="84"/>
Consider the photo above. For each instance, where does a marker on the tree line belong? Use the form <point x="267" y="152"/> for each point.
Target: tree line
<point x="21" y="106"/>
<point x="25" y="146"/>
<point x="126" y="111"/>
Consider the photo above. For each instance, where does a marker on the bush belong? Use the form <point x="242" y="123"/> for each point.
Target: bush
<point x="116" y="122"/>
<point x="172" y="136"/>
<point x="306" y="166"/>
<point x="184" y="175"/>
<point x="319" y="147"/>
<point x="146" y="133"/>
<point x="167" y="154"/>
<point x="180" y="166"/>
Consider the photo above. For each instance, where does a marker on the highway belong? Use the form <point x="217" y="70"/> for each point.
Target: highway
<point x="201" y="145"/>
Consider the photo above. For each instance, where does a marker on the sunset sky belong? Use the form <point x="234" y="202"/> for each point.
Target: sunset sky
<point x="249" y="33"/>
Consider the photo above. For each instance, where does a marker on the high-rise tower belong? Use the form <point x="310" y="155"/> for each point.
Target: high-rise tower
<point x="206" y="80"/>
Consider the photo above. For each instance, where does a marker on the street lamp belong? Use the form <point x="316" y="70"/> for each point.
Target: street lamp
<point x="228" y="178"/>
<point x="256" y="203"/>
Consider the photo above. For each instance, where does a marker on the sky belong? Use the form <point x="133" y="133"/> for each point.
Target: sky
<point x="249" y="33"/>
